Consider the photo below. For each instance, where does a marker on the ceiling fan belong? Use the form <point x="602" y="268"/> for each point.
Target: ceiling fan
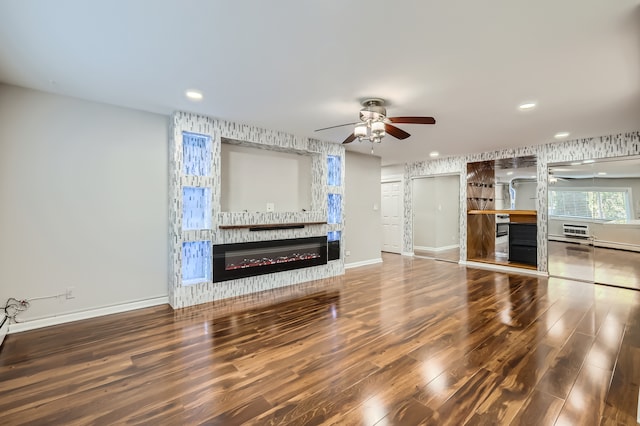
<point x="374" y="123"/>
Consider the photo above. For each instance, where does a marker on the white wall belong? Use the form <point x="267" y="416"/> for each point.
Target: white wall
<point x="424" y="213"/>
<point x="362" y="222"/>
<point x="525" y="195"/>
<point x="84" y="202"/>
<point x="392" y="171"/>
<point x="253" y="177"/>
<point x="436" y="205"/>
<point x="448" y="211"/>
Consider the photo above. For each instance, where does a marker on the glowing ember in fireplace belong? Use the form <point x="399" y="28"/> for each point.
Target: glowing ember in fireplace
<point x="249" y="263"/>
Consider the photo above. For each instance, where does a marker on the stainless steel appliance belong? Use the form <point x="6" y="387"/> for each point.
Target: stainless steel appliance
<point x="502" y="235"/>
<point x="502" y="225"/>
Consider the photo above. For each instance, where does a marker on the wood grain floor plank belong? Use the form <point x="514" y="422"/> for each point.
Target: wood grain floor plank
<point x="407" y="412"/>
<point x="461" y="407"/>
<point x="621" y="404"/>
<point x="585" y="403"/>
<point x="520" y="375"/>
<point x="540" y="409"/>
<point x="559" y="378"/>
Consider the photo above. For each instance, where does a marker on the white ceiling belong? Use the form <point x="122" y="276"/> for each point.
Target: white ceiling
<point x="297" y="66"/>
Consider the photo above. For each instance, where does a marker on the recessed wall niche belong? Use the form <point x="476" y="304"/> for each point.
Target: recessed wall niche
<point x="196" y="208"/>
<point x="334" y="202"/>
<point x="196" y="262"/>
<point x="334" y="167"/>
<point x="257" y="179"/>
<point x="196" y="153"/>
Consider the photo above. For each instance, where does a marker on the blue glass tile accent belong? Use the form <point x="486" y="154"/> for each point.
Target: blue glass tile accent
<point x="334" y="235"/>
<point x="196" y="156"/>
<point x="196" y="208"/>
<point x="334" y="167"/>
<point x="196" y="262"/>
<point x="335" y="208"/>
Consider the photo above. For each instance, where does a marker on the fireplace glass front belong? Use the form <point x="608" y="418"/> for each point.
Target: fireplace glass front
<point x="241" y="260"/>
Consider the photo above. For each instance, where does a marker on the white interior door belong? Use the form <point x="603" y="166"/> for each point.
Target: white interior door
<point x="391" y="217"/>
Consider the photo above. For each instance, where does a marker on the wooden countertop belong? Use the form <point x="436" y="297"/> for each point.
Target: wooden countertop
<point x="509" y="212"/>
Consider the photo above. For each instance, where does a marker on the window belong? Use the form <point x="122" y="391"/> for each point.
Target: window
<point x="590" y="203"/>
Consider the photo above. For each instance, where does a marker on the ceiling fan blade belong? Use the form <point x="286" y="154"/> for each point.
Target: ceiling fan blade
<point x="413" y="120"/>
<point x="396" y="132"/>
<point x="350" y="138"/>
<point x="333" y="127"/>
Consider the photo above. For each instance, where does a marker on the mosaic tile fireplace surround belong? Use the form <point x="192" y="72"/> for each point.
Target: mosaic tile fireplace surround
<point x="199" y="230"/>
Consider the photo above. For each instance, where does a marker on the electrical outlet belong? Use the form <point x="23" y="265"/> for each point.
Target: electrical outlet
<point x="270" y="207"/>
<point x="69" y="294"/>
<point x="348" y="253"/>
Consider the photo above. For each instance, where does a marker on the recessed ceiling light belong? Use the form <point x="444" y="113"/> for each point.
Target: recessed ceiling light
<point x="588" y="161"/>
<point x="533" y="177"/>
<point x="602" y="173"/>
<point x="561" y="135"/>
<point x="576" y="163"/>
<point x="194" y="95"/>
<point x="509" y="173"/>
<point x="527" y="105"/>
<point x="434" y="154"/>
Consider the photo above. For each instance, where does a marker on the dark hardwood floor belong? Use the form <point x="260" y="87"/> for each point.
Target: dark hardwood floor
<point x="409" y="341"/>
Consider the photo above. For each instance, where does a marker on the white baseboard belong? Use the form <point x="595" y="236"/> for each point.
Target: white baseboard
<point x="638" y="411"/>
<point x="4" y="329"/>
<point x="617" y="246"/>
<point x="443" y="248"/>
<point x="92" y="313"/>
<point x="362" y="263"/>
<point x="503" y="268"/>
<point x="408" y="253"/>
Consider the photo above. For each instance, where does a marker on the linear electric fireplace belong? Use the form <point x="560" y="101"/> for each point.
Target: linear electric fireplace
<point x="231" y="261"/>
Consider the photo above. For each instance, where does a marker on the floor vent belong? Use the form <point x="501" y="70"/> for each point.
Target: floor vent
<point x="570" y="230"/>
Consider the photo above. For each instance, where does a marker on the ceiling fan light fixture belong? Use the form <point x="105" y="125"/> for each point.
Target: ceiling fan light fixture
<point x="360" y="131"/>
<point x="377" y="128"/>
